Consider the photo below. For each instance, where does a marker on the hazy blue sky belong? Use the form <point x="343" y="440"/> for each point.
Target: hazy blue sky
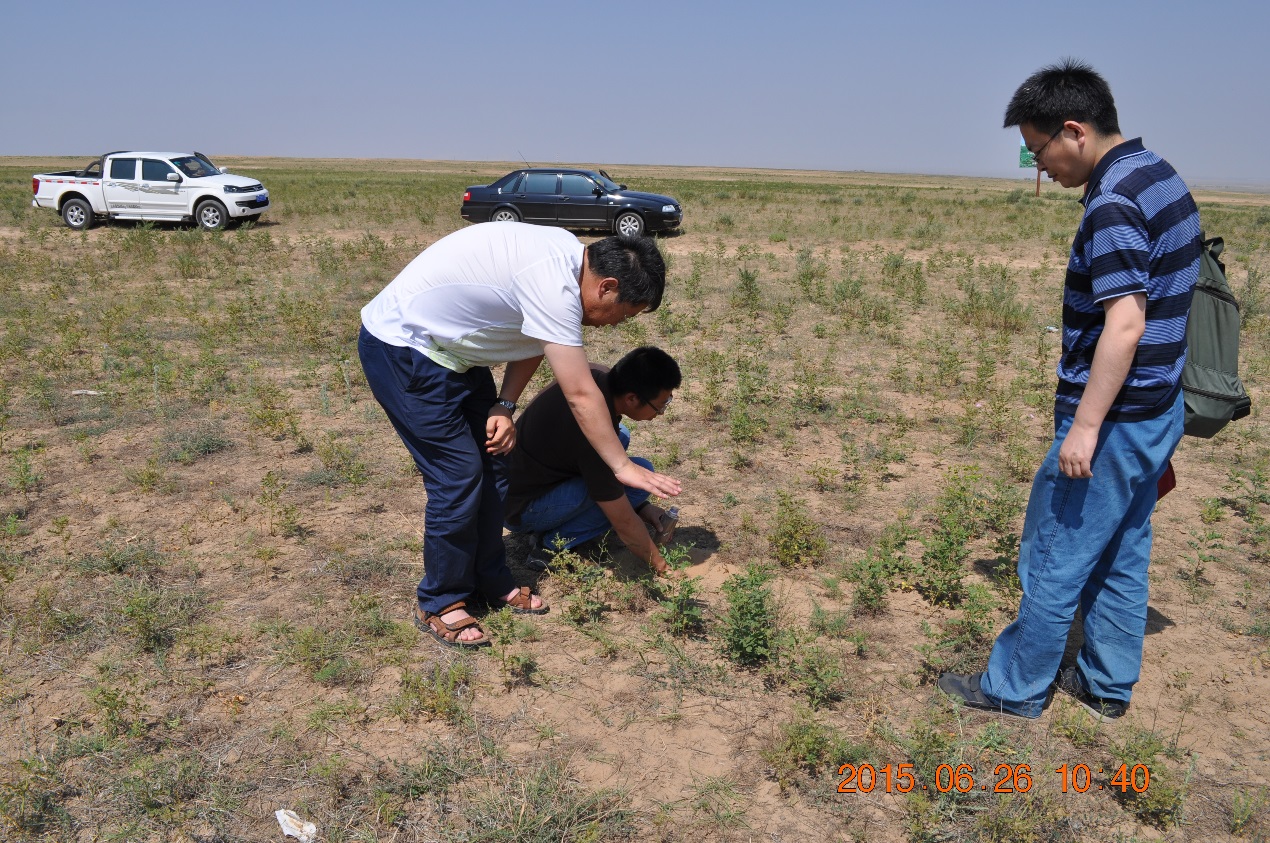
<point x="898" y="86"/>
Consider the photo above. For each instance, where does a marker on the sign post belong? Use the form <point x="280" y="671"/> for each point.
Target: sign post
<point x="1027" y="159"/>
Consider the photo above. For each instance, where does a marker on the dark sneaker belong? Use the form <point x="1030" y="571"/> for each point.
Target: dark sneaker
<point x="538" y="560"/>
<point x="1069" y="682"/>
<point x="965" y="687"/>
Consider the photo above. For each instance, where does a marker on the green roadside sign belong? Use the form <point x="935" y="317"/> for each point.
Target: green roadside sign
<point x="1026" y="158"/>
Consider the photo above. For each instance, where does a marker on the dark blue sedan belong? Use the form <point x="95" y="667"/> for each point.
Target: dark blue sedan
<point x="571" y="199"/>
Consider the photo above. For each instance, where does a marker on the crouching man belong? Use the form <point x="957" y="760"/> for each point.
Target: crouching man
<point x="558" y="486"/>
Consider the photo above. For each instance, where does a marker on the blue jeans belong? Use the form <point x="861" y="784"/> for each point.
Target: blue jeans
<point x="1085" y="542"/>
<point x="566" y="516"/>
<point x="440" y="415"/>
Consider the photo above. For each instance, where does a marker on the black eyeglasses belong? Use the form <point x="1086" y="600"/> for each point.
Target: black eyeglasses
<point x="1036" y="156"/>
<point x="662" y="409"/>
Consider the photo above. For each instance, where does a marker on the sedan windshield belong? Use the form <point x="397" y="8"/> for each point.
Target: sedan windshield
<point x="607" y="184"/>
<point x="195" y="168"/>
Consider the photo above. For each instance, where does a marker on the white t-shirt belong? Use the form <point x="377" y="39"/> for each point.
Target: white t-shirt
<point x="484" y="295"/>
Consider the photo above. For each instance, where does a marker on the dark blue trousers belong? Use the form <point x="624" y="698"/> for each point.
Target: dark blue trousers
<point x="440" y="415"/>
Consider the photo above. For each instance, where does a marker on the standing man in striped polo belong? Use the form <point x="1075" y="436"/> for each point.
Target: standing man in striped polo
<point x="1117" y="413"/>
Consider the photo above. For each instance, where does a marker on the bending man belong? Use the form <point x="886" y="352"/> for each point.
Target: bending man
<point x="485" y="295"/>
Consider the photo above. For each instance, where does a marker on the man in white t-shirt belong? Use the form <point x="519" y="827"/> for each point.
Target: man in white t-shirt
<point x="485" y="295"/>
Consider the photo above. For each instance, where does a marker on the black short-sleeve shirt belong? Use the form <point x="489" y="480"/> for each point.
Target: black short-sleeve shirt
<point x="551" y="449"/>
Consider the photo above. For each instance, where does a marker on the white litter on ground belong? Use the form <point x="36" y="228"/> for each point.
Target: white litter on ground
<point x="293" y="826"/>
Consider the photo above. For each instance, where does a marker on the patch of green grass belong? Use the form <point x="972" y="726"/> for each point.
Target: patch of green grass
<point x="542" y="803"/>
<point x="187" y="447"/>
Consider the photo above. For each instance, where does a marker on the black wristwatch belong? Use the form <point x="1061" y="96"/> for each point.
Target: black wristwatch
<point x="510" y="406"/>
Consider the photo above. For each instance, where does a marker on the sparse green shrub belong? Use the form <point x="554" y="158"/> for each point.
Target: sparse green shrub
<point x="796" y="540"/>
<point x="817" y="673"/>
<point x="1244" y="808"/>
<point x="832" y="624"/>
<point x="340" y="463"/>
<point x="748" y="626"/>
<point x="139" y="558"/>
<point x="162" y="788"/>
<point x="682" y="611"/>
<point x="188" y="446"/>
<point x="747" y="295"/>
<point x="154" y="615"/>
<point x="22" y="475"/>
<point x="1023" y="818"/>
<point x="962" y="643"/>
<point x="32" y="793"/>
<point x="1162" y="802"/>
<point x="806" y="746"/>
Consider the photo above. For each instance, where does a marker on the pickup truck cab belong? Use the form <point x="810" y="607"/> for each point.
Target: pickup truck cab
<point x="171" y="186"/>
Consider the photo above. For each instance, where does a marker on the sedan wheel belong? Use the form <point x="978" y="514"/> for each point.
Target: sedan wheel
<point x="629" y="224"/>
<point x="505" y="215"/>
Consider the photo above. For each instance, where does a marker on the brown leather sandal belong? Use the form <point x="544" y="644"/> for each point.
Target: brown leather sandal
<point x="448" y="633"/>
<point x="522" y="603"/>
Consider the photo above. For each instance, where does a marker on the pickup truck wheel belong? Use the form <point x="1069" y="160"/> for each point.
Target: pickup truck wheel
<point x="629" y="224"/>
<point x="211" y="215"/>
<point x="77" y="214"/>
<point x="505" y="215"/>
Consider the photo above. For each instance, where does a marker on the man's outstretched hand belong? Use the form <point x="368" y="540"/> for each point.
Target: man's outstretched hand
<point x="638" y="477"/>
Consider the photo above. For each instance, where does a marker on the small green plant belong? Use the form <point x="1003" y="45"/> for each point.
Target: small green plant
<point x="748" y="625"/>
<point x="1244" y="809"/>
<point x="817" y="673"/>
<point x="22" y="476"/>
<point x="31" y="800"/>
<point x="832" y="624"/>
<point x="188" y="446"/>
<point x="806" y="746"/>
<point x="1162" y="802"/>
<point x="682" y="611"/>
<point x="152" y="477"/>
<point x="796" y="540"/>
<point x="506" y="629"/>
<point x="139" y="558"/>
<point x="340" y="463"/>
<point x="746" y="295"/>
<point x="284" y="518"/>
<point x="963" y="642"/>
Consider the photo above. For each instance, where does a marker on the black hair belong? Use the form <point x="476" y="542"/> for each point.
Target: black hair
<point x="1069" y="90"/>
<point x="646" y="371"/>
<point x="637" y="265"/>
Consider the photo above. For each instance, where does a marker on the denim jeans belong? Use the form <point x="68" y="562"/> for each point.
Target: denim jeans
<point x="440" y="416"/>
<point x="1086" y="542"/>
<point x="566" y="516"/>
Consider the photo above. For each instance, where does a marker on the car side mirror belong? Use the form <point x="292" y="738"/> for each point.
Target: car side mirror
<point x="621" y="187"/>
<point x="224" y="170"/>
<point x="598" y="191"/>
<point x="174" y="177"/>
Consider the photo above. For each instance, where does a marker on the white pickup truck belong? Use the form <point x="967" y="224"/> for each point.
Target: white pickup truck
<point x="171" y="186"/>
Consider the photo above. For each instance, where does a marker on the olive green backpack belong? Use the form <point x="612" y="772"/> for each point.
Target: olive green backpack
<point x="1213" y="392"/>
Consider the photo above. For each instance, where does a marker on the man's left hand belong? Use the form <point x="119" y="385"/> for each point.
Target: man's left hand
<point x="500" y="432"/>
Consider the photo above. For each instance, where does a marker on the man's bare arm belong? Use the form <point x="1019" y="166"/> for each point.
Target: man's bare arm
<point x="1124" y="327"/>
<point x="631" y="530"/>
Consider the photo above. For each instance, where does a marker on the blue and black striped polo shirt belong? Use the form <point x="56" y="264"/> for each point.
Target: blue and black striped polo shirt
<point x="1140" y="234"/>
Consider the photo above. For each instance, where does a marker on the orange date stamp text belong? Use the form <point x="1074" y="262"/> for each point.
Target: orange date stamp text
<point x="1005" y="778"/>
